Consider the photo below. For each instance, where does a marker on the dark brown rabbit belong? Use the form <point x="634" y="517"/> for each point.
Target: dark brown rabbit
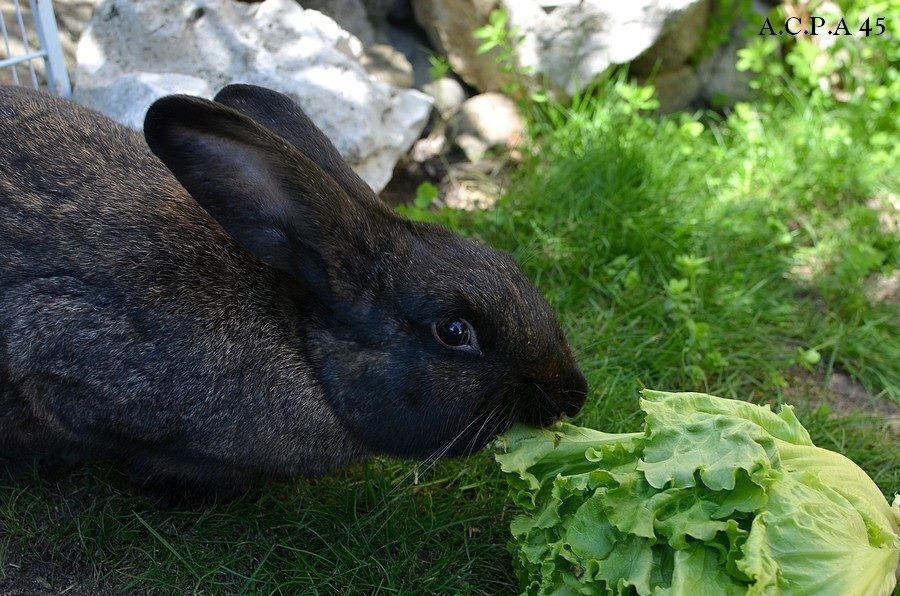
<point x="233" y="304"/>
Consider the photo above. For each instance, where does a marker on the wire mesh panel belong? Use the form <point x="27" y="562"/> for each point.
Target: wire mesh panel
<point x="30" y="41"/>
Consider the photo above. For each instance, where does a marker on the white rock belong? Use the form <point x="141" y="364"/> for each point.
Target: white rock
<point x="486" y="121"/>
<point x="449" y="25"/>
<point x="430" y="147"/>
<point x="416" y="52"/>
<point x="575" y="43"/>
<point x="275" y="44"/>
<point x="570" y="43"/>
<point x="677" y="43"/>
<point x="386" y="64"/>
<point x="349" y="14"/>
<point x="448" y="95"/>
<point x="126" y="98"/>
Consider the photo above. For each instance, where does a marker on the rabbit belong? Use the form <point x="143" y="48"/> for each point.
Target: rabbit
<point x="224" y="302"/>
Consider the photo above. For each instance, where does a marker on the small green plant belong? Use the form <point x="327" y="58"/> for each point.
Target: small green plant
<point x="426" y="193"/>
<point x="439" y="67"/>
<point x="496" y="35"/>
<point x="636" y="98"/>
<point x="720" y="24"/>
<point x="422" y="207"/>
<point x="499" y="37"/>
<point x="856" y="66"/>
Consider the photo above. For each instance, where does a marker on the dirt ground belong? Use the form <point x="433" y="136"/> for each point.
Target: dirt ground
<point x="24" y="575"/>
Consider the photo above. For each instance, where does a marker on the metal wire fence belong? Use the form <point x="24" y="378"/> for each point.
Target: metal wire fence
<point x="30" y="37"/>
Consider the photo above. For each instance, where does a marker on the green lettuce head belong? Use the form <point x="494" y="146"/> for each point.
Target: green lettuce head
<point x="715" y="497"/>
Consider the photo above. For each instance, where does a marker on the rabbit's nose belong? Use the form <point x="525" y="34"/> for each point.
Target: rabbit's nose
<point x="573" y="390"/>
<point x="562" y="384"/>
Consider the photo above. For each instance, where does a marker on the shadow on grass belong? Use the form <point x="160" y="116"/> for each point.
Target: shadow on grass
<point x="370" y="528"/>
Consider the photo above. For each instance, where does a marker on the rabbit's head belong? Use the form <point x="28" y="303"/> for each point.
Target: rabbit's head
<point x="425" y="343"/>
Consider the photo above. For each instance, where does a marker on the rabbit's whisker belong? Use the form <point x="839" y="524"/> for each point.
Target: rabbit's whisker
<point x="421" y="467"/>
<point x="474" y="441"/>
<point x="553" y="407"/>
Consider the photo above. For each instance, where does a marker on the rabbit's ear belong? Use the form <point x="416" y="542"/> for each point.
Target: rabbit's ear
<point x="269" y="197"/>
<point x="281" y="115"/>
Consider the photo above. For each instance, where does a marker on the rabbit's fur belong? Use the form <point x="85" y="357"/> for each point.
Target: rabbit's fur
<point x="243" y="307"/>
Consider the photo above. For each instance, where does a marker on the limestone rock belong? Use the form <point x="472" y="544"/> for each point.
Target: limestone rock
<point x="448" y="95"/>
<point x="126" y="98"/>
<point x="678" y="42"/>
<point x="567" y="43"/>
<point x="676" y="89"/>
<point x="349" y="14"/>
<point x="486" y="121"/>
<point x="575" y="43"/>
<point x="275" y="44"/>
<point x="416" y="51"/>
<point x="388" y="65"/>
<point x="449" y="25"/>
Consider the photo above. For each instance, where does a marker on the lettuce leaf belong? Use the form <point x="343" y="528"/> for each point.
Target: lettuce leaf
<point x="715" y="496"/>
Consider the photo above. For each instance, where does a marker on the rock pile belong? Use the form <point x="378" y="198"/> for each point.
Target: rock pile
<point x="135" y="51"/>
<point x="363" y="69"/>
<point x="568" y="44"/>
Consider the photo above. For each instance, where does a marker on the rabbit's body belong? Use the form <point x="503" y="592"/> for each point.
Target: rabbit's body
<point x="259" y="314"/>
<point x="115" y="322"/>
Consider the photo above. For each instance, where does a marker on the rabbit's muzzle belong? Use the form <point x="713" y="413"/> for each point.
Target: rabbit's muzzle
<point x="548" y="397"/>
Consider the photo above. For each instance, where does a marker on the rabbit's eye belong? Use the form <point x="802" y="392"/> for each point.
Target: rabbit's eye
<point x="455" y="334"/>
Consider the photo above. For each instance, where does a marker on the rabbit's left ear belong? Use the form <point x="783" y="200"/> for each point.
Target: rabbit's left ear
<point x="280" y="114"/>
<point x="270" y="198"/>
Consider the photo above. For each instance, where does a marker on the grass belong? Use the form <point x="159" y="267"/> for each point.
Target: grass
<point x="736" y="256"/>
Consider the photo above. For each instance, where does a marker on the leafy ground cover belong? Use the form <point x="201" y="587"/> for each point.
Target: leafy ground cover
<point x="750" y="255"/>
